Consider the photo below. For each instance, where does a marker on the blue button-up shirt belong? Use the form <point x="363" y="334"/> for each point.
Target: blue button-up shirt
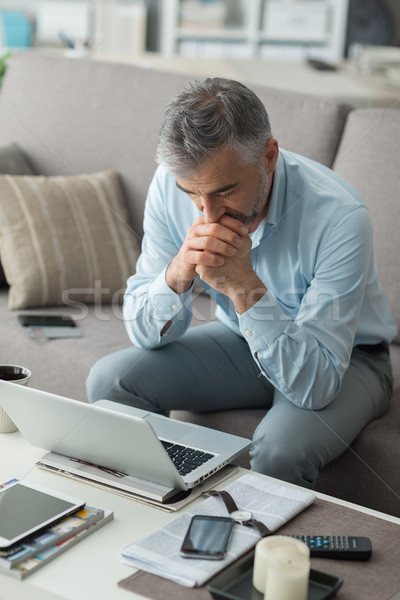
<point x="313" y="252"/>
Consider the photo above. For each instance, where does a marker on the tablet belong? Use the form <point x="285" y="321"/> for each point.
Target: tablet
<point x="25" y="508"/>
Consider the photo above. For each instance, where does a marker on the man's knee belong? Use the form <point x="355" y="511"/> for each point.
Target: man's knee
<point x="123" y="377"/>
<point x="283" y="460"/>
<point x="100" y="380"/>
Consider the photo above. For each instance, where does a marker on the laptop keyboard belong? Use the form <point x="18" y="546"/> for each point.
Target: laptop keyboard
<point x="185" y="459"/>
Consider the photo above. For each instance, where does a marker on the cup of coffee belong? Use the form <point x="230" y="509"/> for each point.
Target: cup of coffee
<point x="14" y="374"/>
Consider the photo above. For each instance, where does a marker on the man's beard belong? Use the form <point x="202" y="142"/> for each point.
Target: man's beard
<point x="259" y="204"/>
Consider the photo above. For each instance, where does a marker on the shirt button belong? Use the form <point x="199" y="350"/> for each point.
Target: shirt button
<point x="248" y="332"/>
<point x="175" y="307"/>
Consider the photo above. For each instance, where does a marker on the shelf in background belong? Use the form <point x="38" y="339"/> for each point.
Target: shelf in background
<point x="316" y="26"/>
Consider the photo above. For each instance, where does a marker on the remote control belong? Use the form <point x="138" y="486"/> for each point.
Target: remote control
<point x="321" y="65"/>
<point x="342" y="547"/>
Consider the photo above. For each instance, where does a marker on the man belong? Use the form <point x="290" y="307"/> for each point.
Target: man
<point x="284" y="246"/>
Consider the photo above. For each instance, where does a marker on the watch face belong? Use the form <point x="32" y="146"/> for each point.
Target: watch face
<point x="241" y="516"/>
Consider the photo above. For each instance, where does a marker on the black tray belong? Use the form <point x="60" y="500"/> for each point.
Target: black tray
<point x="235" y="583"/>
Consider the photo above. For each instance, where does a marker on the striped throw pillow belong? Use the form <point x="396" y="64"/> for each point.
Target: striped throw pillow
<point x="13" y="162"/>
<point x="65" y="239"/>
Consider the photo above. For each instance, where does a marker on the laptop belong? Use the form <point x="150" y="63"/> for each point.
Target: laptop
<point x="146" y="446"/>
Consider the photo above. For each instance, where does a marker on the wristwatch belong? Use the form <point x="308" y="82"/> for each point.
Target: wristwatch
<point x="243" y="517"/>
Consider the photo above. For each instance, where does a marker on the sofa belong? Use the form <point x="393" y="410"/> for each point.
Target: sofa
<point x="70" y="117"/>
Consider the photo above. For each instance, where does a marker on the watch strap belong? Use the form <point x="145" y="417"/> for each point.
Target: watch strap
<point x="232" y="507"/>
<point x="263" y="529"/>
<point x="225" y="497"/>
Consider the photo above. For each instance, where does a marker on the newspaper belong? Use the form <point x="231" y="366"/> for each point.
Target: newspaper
<point x="272" y="503"/>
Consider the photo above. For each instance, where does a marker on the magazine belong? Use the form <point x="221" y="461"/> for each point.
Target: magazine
<point x="52" y="535"/>
<point x="272" y="503"/>
<point x="43" y="556"/>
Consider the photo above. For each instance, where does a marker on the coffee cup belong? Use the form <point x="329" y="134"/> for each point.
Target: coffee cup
<point x="13" y="374"/>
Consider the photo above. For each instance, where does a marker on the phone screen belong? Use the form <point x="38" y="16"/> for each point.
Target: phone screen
<point x="207" y="537"/>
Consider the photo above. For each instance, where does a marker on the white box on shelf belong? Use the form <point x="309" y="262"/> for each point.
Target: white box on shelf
<point x="297" y="20"/>
<point x="120" y="28"/>
<point x="194" y="14"/>
<point x="72" y="18"/>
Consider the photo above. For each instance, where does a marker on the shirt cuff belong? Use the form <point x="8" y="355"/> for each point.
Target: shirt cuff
<point x="167" y="303"/>
<point x="262" y="323"/>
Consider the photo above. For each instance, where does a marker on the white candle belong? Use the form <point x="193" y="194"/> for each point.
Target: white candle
<point x="281" y="568"/>
<point x="261" y="555"/>
<point x="288" y="571"/>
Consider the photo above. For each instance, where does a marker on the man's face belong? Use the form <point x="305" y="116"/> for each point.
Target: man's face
<point x="225" y="186"/>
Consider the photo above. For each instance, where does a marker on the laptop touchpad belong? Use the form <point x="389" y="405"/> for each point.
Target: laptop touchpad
<point x="169" y="428"/>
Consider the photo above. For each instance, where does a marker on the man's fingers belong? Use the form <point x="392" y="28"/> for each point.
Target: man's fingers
<point x="213" y="231"/>
<point x="210" y="244"/>
<point x="206" y="259"/>
<point x="233" y="224"/>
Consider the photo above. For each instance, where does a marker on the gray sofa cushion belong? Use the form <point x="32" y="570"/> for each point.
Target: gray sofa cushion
<point x="13" y="161"/>
<point x="308" y="125"/>
<point x="369" y="158"/>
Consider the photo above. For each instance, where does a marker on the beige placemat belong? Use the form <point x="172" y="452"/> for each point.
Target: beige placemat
<point x="375" y="579"/>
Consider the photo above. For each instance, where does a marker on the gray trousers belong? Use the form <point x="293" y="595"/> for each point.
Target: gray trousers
<point x="211" y="368"/>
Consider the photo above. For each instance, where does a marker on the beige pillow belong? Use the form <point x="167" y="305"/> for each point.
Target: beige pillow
<point x="13" y="162"/>
<point x="62" y="238"/>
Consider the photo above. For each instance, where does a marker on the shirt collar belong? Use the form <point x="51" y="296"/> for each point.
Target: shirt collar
<point x="278" y="193"/>
<point x="276" y="206"/>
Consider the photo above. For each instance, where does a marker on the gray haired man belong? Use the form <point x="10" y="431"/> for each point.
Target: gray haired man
<point x="284" y="246"/>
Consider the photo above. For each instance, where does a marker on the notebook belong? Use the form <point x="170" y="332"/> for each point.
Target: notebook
<point x="144" y="445"/>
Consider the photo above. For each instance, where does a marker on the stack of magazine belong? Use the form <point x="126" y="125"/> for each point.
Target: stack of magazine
<point x="25" y="557"/>
<point x="127" y="485"/>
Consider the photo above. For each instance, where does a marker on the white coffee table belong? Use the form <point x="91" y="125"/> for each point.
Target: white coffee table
<point x="92" y="568"/>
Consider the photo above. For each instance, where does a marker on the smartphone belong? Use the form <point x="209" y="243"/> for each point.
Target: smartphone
<point x="27" y="320"/>
<point x="207" y="537"/>
<point x="26" y="508"/>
